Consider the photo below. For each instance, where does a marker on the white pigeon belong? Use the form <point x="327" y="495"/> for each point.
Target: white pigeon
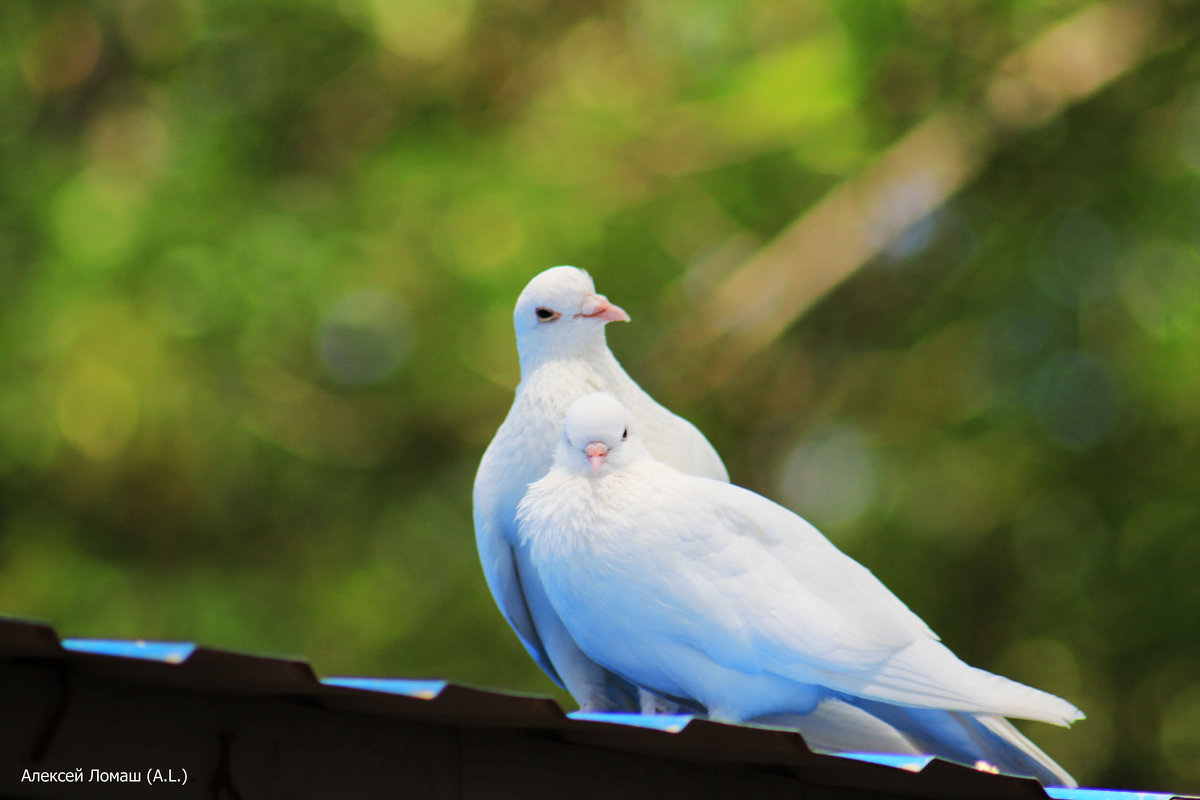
<point x="709" y="593"/>
<point x="560" y="322"/>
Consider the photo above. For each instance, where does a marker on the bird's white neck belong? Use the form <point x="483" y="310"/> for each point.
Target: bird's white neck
<point x="593" y="349"/>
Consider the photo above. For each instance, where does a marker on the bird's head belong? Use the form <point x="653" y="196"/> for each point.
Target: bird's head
<point x="597" y="436"/>
<point x="559" y="314"/>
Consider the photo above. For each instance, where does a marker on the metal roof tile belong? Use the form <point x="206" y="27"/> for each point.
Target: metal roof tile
<point x="682" y="738"/>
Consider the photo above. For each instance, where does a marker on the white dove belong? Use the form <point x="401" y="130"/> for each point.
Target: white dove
<point x="560" y="323"/>
<point x="709" y="593"/>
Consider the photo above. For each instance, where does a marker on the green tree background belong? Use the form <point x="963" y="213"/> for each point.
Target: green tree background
<point x="926" y="272"/>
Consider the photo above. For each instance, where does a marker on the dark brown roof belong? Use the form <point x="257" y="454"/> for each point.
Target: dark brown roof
<point x="234" y="722"/>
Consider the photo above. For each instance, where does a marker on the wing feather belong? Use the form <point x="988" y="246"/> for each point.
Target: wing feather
<point x="804" y="602"/>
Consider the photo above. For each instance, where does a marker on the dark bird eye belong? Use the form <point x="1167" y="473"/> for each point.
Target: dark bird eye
<point x="547" y="315"/>
<point x="625" y="434"/>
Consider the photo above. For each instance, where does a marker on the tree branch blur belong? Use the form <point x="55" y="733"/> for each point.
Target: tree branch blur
<point x="750" y="307"/>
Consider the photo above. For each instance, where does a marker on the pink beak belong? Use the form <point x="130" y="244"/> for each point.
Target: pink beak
<point x="596" y="453"/>
<point x="596" y="306"/>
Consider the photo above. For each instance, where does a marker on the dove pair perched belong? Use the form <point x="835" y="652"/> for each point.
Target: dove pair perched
<point x="632" y="565"/>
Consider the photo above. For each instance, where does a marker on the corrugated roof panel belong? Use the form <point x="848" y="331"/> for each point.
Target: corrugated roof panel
<point x="1104" y="794"/>
<point x="422" y="690"/>
<point x="168" y="652"/>
<point x="894" y="760"/>
<point x="671" y="723"/>
<point x="163" y="666"/>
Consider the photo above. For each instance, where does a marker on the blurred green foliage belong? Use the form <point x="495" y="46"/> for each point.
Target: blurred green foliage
<point x="257" y="263"/>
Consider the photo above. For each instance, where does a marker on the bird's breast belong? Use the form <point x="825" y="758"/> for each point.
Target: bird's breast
<point x="570" y="523"/>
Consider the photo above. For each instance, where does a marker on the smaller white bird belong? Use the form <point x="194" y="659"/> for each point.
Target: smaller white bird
<point x="709" y="593"/>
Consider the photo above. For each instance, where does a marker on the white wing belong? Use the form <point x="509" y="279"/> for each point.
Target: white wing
<point x="497" y="556"/>
<point x="782" y="599"/>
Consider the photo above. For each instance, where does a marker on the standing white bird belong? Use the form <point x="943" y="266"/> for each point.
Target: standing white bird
<point x="560" y="323"/>
<point x="708" y="592"/>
